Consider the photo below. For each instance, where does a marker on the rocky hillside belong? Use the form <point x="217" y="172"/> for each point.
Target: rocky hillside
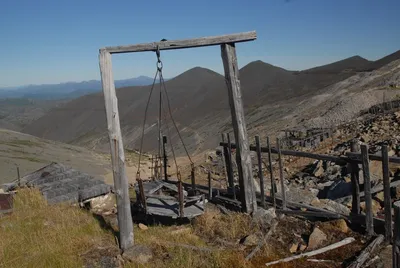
<point x="274" y="98"/>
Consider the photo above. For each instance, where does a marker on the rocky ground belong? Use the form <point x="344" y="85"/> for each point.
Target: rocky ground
<point x="326" y="184"/>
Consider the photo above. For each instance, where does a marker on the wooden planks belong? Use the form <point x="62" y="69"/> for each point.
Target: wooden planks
<point x="243" y="159"/>
<point x="336" y="159"/>
<point x="125" y="223"/>
<point x="186" y="43"/>
<point x="367" y="252"/>
<point x="357" y="157"/>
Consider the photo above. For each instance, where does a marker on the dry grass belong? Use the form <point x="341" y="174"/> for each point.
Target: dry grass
<point x="39" y="235"/>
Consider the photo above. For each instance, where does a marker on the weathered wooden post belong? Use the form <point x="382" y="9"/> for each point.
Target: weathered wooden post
<point x="396" y="237"/>
<point x="278" y="147"/>
<point x="369" y="219"/>
<point x="224" y="159"/>
<point x="271" y="172"/>
<point x="18" y="176"/>
<point x="243" y="158"/>
<point x="180" y="195"/>
<point x="386" y="194"/>
<point x="125" y="224"/>
<point x="193" y="179"/>
<point x="355" y="181"/>
<point x="231" y="183"/>
<point x="260" y="172"/>
<point x="209" y="186"/>
<point x="164" y="139"/>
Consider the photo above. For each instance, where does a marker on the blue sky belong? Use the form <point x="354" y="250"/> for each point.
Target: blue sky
<point x="58" y="41"/>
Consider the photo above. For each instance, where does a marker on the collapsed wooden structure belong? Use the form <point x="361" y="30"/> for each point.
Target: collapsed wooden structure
<point x="168" y="199"/>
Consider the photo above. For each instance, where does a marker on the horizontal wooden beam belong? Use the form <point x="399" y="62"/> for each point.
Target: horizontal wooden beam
<point x="357" y="157"/>
<point x="186" y="43"/>
<point x="331" y="158"/>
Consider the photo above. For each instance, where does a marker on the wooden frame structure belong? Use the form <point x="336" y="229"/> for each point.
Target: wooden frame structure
<point x="228" y="53"/>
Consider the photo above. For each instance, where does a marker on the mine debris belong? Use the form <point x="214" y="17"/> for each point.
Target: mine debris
<point x="161" y="198"/>
<point x="59" y="183"/>
<point x="315" y="252"/>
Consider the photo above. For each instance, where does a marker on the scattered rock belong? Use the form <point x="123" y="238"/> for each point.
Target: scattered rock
<point x="139" y="254"/>
<point x="143" y="227"/>
<point x="303" y="247"/>
<point x="339" y="225"/>
<point x="333" y="206"/>
<point x="376" y="207"/>
<point x="250" y="240"/>
<point x="317" y="238"/>
<point x="293" y="248"/>
<point x="264" y="216"/>
<point x="339" y="189"/>
<point x="102" y="203"/>
<point x="319" y="169"/>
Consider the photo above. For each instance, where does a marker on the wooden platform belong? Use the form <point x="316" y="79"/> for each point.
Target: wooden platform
<point x="162" y="200"/>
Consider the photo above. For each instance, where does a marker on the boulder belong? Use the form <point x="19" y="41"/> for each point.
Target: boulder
<point x="339" y="189"/>
<point x="333" y="206"/>
<point x="102" y="203"/>
<point x="293" y="248"/>
<point x="339" y="225"/>
<point x="319" y="169"/>
<point x="316" y="239"/>
<point x="264" y="216"/>
<point x="143" y="227"/>
<point x="376" y="207"/>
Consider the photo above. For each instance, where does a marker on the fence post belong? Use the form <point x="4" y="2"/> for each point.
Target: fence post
<point x="355" y="181"/>
<point x="193" y="179"/>
<point x="224" y="159"/>
<point x="281" y="174"/>
<point x="367" y="190"/>
<point x="165" y="158"/>
<point x="396" y="238"/>
<point x="271" y="172"/>
<point x="260" y="172"/>
<point x="386" y="194"/>
<point x="232" y="184"/>
<point x="209" y="186"/>
<point x="19" y="178"/>
<point x="180" y="195"/>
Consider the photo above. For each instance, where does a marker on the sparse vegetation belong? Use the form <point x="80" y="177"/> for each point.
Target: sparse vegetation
<point x="39" y="235"/>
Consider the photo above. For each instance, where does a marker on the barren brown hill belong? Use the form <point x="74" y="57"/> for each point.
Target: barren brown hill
<point x="354" y="63"/>
<point x="382" y="62"/>
<point x="272" y="96"/>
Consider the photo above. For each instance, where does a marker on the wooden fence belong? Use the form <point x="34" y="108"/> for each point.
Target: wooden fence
<point x="353" y="158"/>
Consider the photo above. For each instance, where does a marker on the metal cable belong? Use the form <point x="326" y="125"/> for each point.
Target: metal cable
<point x="172" y="119"/>
<point x="170" y="139"/>
<point x="144" y="120"/>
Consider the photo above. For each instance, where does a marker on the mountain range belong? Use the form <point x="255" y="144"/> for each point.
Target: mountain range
<point x="274" y="98"/>
<point x="68" y="90"/>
